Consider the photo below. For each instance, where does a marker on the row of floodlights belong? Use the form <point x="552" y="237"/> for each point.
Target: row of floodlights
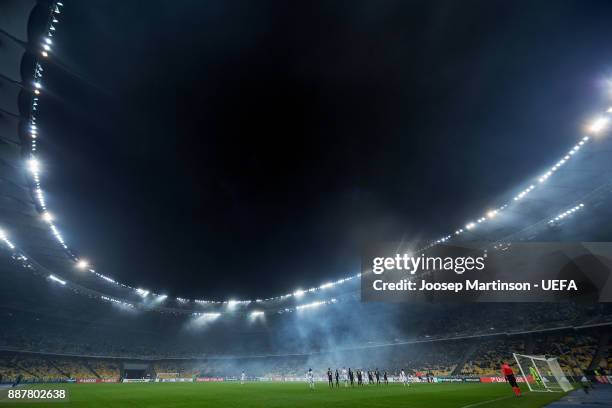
<point x="566" y="214"/>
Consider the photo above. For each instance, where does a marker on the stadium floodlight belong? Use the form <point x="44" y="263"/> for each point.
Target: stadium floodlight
<point x="48" y="40"/>
<point x="106" y="278"/>
<point x="44" y="54"/>
<point x="256" y="314"/>
<point x="202" y="318"/>
<point x="159" y="298"/>
<point x="298" y="293"/>
<point x="142" y="292"/>
<point x="4" y="238"/>
<point x="38" y="85"/>
<point x="312" y="305"/>
<point x="47" y="217"/>
<point x="566" y="213"/>
<point x="56" y="279"/>
<point x="491" y="214"/>
<point x="326" y="285"/>
<point x="82" y="264"/>
<point x="598" y="124"/>
<point x="34" y="166"/>
<point x="469" y="226"/>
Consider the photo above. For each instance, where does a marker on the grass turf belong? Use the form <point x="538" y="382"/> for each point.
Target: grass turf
<point x="271" y="395"/>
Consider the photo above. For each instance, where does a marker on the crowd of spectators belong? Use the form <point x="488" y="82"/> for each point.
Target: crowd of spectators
<point x="480" y="356"/>
<point x="49" y="368"/>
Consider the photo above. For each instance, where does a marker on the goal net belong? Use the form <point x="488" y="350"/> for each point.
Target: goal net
<point x="542" y="374"/>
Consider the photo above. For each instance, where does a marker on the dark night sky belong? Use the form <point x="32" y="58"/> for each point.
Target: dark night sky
<point x="247" y="148"/>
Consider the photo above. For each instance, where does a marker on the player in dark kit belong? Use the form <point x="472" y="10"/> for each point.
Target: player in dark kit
<point x="370" y="377"/>
<point x="385" y="378"/>
<point x="509" y="374"/>
<point x="377" y="374"/>
<point x="351" y="377"/>
<point x="337" y="379"/>
<point x="330" y="380"/>
<point x="359" y="378"/>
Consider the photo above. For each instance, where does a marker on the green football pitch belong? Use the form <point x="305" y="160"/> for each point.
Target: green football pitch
<point x="269" y="395"/>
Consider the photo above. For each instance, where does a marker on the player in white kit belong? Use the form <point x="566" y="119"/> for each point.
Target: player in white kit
<point x="310" y="379"/>
<point x="242" y="378"/>
<point x="345" y="376"/>
<point x="404" y="379"/>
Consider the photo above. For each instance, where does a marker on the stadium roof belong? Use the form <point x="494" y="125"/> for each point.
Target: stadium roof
<point x="568" y="199"/>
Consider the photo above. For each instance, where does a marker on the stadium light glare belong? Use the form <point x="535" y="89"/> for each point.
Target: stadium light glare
<point x="231" y="304"/>
<point x="56" y="279"/>
<point x="567" y="213"/>
<point x="598" y="124"/>
<point x="47" y="217"/>
<point x="106" y="278"/>
<point x="203" y="318"/>
<point x="142" y="292"/>
<point x="4" y="238"/>
<point x="256" y="314"/>
<point x="82" y="264"/>
<point x="491" y="214"/>
<point x="298" y="293"/>
<point x="34" y="166"/>
<point x="48" y="40"/>
<point x="314" y="305"/>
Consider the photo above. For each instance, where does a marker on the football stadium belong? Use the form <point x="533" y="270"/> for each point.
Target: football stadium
<point x="300" y="204"/>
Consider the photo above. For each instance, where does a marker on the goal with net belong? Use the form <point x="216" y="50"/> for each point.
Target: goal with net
<point x="542" y="374"/>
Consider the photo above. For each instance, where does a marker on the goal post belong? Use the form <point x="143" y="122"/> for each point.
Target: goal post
<point x="542" y="374"/>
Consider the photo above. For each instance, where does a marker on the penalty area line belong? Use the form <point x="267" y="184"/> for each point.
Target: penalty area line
<point x="488" y="401"/>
